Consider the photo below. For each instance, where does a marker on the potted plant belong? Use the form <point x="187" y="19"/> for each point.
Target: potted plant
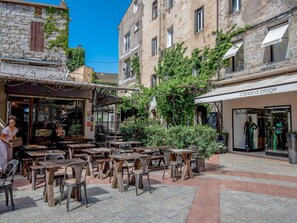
<point x="292" y="147"/>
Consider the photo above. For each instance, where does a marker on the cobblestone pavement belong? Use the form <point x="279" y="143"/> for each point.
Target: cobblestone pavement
<point x="235" y="188"/>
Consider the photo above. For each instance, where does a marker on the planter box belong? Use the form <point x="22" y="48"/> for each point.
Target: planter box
<point x="292" y="147"/>
<point x="200" y="164"/>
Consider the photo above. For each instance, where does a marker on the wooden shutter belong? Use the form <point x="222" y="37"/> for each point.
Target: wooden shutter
<point x="37" y="37"/>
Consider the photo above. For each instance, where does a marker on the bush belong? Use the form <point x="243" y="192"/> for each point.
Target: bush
<point x="155" y="135"/>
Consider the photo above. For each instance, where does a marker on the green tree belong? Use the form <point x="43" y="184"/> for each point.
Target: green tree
<point x="75" y="58"/>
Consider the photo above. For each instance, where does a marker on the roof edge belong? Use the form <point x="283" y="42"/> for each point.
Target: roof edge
<point x="34" y="4"/>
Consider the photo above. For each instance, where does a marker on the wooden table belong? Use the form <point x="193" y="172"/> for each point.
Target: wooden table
<point x="91" y="153"/>
<point x="118" y="162"/>
<point x="117" y="144"/>
<point x="73" y="147"/>
<point x="42" y="153"/>
<point x="33" y="147"/>
<point x="51" y="167"/>
<point x="186" y="156"/>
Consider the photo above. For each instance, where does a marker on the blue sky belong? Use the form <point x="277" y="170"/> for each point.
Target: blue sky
<point x="94" y="25"/>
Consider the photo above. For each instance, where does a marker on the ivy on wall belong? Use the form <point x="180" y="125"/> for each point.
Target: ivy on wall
<point x="76" y="58"/>
<point x="51" y="27"/>
<point x="181" y="79"/>
<point x="135" y="66"/>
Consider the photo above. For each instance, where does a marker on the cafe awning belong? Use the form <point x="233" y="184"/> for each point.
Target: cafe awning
<point x="274" y="36"/>
<point x="273" y="85"/>
<point x="232" y="51"/>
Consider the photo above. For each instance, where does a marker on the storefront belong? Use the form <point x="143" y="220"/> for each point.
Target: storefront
<point x="258" y="114"/>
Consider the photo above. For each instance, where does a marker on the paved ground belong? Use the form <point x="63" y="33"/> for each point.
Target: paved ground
<point x="235" y="188"/>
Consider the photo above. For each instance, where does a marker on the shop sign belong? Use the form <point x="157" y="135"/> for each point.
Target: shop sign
<point x="259" y="92"/>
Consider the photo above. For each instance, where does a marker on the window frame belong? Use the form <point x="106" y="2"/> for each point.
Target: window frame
<point x="155" y="10"/>
<point x="238" y="6"/>
<point x="37" y="39"/>
<point x="196" y="23"/>
<point x="135" y="6"/>
<point x="154" y="80"/>
<point x="169" y="4"/>
<point x="170" y="32"/>
<point x="127" y="42"/>
<point x="154" y="46"/>
<point x="136" y="27"/>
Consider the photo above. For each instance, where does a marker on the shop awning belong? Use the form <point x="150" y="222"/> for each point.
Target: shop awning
<point x="274" y="36"/>
<point x="232" y="51"/>
<point x="267" y="86"/>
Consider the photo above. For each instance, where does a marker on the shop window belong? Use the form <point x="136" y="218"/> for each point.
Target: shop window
<point x="48" y="113"/>
<point x="155" y="10"/>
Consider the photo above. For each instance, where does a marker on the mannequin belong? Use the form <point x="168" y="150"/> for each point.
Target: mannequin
<point x="268" y="134"/>
<point x="279" y="134"/>
<point x="249" y="128"/>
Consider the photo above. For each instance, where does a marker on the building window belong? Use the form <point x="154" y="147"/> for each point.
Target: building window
<point x="155" y="10"/>
<point x="236" y="57"/>
<point x="37" y="37"/>
<point x="38" y="11"/>
<point x="169" y="4"/>
<point x="199" y="19"/>
<point x="154" y="46"/>
<point x="127" y="69"/>
<point x="154" y="80"/>
<point x="276" y="44"/>
<point x="127" y="40"/>
<point x="135" y="6"/>
<point x="170" y="36"/>
<point x="136" y="26"/>
<point x="235" y="5"/>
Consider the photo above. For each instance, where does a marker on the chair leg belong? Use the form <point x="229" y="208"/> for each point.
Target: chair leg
<point x="62" y="194"/>
<point x="6" y="196"/>
<point x="137" y="176"/>
<point x="149" y="183"/>
<point x="33" y="178"/>
<point x="173" y="172"/>
<point x="11" y="197"/>
<point x="110" y="175"/>
<point x="69" y="190"/>
<point x="86" y="199"/>
<point x="164" y="172"/>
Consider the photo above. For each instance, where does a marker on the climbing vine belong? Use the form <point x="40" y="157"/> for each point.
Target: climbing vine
<point x="51" y="28"/>
<point x="76" y="58"/>
<point x="135" y="66"/>
<point x="181" y="79"/>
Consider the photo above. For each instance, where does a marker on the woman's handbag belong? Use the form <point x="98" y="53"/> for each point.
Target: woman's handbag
<point x="17" y="142"/>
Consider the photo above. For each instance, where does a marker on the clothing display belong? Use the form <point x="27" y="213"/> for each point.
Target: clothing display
<point x="249" y="128"/>
<point x="6" y="153"/>
<point x="279" y="137"/>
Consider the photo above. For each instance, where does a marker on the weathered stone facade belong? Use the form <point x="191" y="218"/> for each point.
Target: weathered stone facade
<point x="128" y="25"/>
<point x="15" y="20"/>
<point x="261" y="16"/>
<point x="181" y="16"/>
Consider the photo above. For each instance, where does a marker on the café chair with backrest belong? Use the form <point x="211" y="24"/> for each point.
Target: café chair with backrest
<point x="126" y="165"/>
<point x="58" y="175"/>
<point x="6" y="180"/>
<point x="143" y="171"/>
<point x="171" y="164"/>
<point x="77" y="180"/>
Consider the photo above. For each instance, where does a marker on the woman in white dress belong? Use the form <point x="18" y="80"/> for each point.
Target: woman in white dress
<point x="6" y="148"/>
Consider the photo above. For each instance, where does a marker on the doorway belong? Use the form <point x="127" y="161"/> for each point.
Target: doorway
<point x="21" y="111"/>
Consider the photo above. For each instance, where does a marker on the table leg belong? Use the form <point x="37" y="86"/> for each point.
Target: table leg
<point x="118" y="178"/>
<point x="70" y="153"/>
<point x="187" y="168"/>
<point x="49" y="196"/>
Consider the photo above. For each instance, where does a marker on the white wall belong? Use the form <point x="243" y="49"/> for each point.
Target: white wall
<point x="258" y="102"/>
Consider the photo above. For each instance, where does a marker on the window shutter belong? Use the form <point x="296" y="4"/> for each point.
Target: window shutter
<point x="37" y="37"/>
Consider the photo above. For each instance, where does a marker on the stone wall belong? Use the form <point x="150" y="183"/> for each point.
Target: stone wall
<point x="15" y="20"/>
<point x="128" y="25"/>
<point x="261" y="15"/>
<point x="182" y="17"/>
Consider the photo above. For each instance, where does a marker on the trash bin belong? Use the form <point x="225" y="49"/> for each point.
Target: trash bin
<point x="292" y="147"/>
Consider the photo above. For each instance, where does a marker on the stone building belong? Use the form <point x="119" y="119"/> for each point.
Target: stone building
<point x="130" y="39"/>
<point x="261" y="81"/>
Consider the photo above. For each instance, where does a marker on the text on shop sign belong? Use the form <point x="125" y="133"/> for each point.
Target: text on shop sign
<point x="259" y="92"/>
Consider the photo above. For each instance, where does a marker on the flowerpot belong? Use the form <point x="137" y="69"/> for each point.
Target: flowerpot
<point x="200" y="164"/>
<point x="292" y="147"/>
